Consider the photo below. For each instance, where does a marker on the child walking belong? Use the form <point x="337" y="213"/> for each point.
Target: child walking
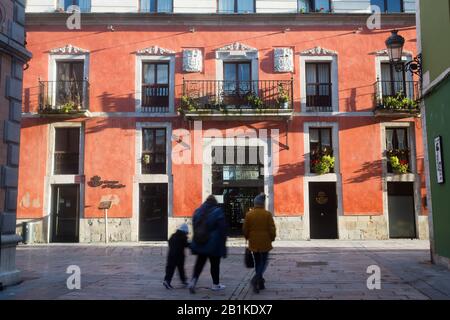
<point x="175" y="258"/>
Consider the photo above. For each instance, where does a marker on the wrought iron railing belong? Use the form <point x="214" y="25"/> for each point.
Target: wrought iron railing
<point x="224" y="94"/>
<point x="155" y="98"/>
<point x="397" y="95"/>
<point x="63" y="96"/>
<point x="318" y="97"/>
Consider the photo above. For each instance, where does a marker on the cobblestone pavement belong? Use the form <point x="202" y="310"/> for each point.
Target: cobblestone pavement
<point x="297" y="270"/>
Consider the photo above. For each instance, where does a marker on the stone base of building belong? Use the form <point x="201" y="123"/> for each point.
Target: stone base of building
<point x="9" y="275"/>
<point x="362" y="228"/>
<point x="93" y="230"/>
<point x="288" y="228"/>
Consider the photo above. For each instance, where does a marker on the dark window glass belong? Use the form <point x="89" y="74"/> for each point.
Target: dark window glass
<point x="67" y="146"/>
<point x="314" y="5"/>
<point x="154" y="151"/>
<point x="320" y="144"/>
<point x="388" y="5"/>
<point x="85" y="5"/>
<point x="236" y="6"/>
<point x="156" y="6"/>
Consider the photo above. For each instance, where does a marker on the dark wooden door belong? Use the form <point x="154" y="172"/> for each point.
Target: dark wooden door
<point x="65" y="213"/>
<point x="153" y="212"/>
<point x="402" y="222"/>
<point x="323" y="210"/>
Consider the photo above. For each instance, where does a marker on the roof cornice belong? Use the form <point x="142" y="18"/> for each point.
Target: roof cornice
<point x="213" y="19"/>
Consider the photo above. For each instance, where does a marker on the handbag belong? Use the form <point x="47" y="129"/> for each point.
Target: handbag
<point x="249" y="262"/>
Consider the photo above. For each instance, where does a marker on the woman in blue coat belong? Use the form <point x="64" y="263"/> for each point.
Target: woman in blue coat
<point x="212" y="244"/>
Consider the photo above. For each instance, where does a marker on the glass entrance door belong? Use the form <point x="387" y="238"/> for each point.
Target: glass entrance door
<point x="238" y="177"/>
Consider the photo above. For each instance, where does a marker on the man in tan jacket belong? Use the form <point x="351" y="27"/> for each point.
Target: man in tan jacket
<point x="259" y="230"/>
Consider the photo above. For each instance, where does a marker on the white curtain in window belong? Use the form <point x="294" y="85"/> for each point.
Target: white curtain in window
<point x="389" y="139"/>
<point x="149" y="73"/>
<point x="326" y="138"/>
<point x="324" y="77"/>
<point x="386" y="79"/>
<point x="401" y="139"/>
<point x="311" y="79"/>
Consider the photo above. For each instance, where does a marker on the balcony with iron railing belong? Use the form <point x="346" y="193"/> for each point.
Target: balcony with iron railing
<point x="397" y="99"/>
<point x="222" y="99"/>
<point x="64" y="98"/>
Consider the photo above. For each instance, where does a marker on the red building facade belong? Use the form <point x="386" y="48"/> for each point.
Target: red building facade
<point x="140" y="110"/>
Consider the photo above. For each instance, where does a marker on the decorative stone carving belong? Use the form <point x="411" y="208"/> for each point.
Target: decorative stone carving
<point x="192" y="60"/>
<point x="318" y="51"/>
<point x="68" y="49"/>
<point x="384" y="52"/>
<point x="155" y="51"/>
<point x="237" y="46"/>
<point x="283" y="60"/>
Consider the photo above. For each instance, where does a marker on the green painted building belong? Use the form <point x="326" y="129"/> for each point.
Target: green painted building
<point x="434" y="38"/>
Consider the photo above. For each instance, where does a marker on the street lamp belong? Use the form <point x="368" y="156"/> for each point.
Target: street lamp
<point x="394" y="46"/>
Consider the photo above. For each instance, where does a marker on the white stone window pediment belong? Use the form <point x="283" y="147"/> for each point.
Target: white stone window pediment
<point x="192" y="60"/>
<point x="384" y="52"/>
<point x="318" y="51"/>
<point x="237" y="46"/>
<point x="283" y="60"/>
<point x="69" y="50"/>
<point x="236" y="50"/>
<point x="155" y="51"/>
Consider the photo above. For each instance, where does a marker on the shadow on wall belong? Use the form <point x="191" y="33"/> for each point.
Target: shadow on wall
<point x="117" y="103"/>
<point x="368" y="171"/>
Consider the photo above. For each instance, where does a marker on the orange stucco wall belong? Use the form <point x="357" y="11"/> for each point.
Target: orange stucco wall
<point x="110" y="142"/>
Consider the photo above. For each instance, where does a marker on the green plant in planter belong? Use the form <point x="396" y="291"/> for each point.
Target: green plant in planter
<point x="399" y="102"/>
<point x="68" y="107"/>
<point x="283" y="97"/>
<point x="187" y="104"/>
<point x="398" y="166"/>
<point x="255" y="101"/>
<point x="324" y="165"/>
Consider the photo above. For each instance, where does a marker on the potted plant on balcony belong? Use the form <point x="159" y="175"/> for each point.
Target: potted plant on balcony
<point x="283" y="98"/>
<point x="322" y="161"/>
<point x="187" y="104"/>
<point x="399" y="102"/>
<point x="254" y="101"/>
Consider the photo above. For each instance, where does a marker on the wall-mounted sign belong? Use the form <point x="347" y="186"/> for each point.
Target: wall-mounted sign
<point x="439" y="160"/>
<point x="97" y="181"/>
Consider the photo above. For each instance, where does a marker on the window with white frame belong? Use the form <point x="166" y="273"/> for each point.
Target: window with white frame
<point x="154" y="151"/>
<point x="320" y="145"/>
<point x="397" y="150"/>
<point x="155" y="86"/>
<point x="66" y="151"/>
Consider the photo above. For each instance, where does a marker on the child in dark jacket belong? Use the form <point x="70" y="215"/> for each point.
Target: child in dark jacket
<point x="175" y="258"/>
